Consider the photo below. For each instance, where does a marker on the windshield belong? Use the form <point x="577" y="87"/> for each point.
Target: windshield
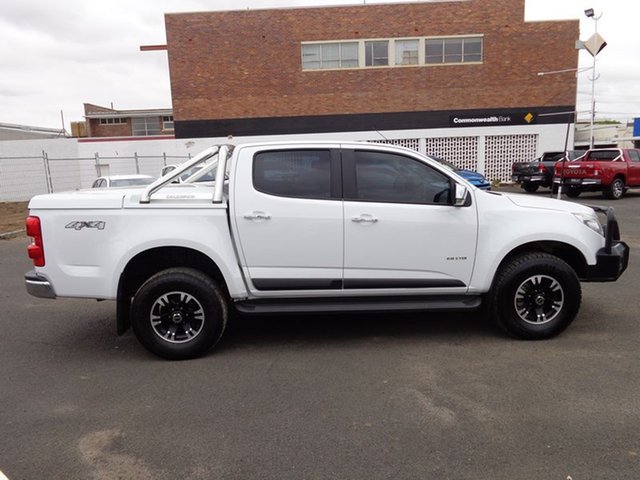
<point x="552" y="156"/>
<point x="128" y="182"/>
<point x="210" y="176"/>
<point x="442" y="161"/>
<point x="204" y="166"/>
<point x="202" y="171"/>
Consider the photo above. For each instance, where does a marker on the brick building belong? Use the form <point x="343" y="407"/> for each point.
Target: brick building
<point x="454" y="78"/>
<point x="106" y="122"/>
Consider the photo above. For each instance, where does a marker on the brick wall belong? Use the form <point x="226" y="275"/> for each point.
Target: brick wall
<point x="109" y="130"/>
<point x="246" y="64"/>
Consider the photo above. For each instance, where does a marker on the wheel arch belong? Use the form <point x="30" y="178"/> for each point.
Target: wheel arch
<point x="621" y="176"/>
<point x="149" y="262"/>
<point x="566" y="252"/>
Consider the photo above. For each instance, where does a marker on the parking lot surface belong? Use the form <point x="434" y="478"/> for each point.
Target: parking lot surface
<point x="411" y="396"/>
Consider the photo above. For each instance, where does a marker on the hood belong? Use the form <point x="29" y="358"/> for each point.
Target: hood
<point x="471" y="175"/>
<point x="531" y="201"/>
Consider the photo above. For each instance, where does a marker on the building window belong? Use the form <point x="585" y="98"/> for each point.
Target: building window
<point x="112" y="121"/>
<point x="453" y="50"/>
<point x="391" y="52"/>
<point x="145" y="126"/>
<point x="317" y="56"/>
<point x="376" y="53"/>
<point x="407" y="52"/>
<point x="167" y="122"/>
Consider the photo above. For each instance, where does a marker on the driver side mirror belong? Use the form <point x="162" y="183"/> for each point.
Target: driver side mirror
<point x="460" y="199"/>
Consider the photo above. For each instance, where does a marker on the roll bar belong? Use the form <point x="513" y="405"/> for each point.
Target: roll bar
<point x="173" y="174"/>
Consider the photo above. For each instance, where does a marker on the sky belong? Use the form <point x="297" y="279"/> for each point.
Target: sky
<point x="56" y="55"/>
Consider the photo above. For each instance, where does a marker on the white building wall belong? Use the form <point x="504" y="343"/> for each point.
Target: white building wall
<point x="31" y="167"/>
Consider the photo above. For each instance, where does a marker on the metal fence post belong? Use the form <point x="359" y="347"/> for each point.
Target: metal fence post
<point x="164" y="159"/>
<point x="135" y="156"/>
<point x="47" y="172"/>
<point x="97" y="157"/>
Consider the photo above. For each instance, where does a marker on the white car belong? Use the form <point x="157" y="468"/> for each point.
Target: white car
<point x="122" y="181"/>
<point x="209" y="176"/>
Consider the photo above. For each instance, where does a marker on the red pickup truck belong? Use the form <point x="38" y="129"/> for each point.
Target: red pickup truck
<point x="609" y="170"/>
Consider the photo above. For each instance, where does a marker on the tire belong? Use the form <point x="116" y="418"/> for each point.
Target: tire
<point x="179" y="313"/>
<point x="573" y="192"/>
<point x="615" y="190"/>
<point x="530" y="187"/>
<point x="535" y="296"/>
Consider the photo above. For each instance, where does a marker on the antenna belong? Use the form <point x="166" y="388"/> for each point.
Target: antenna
<point x="63" y="132"/>
<point x="378" y="132"/>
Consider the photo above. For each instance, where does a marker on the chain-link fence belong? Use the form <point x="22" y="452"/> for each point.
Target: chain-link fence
<point x="23" y="177"/>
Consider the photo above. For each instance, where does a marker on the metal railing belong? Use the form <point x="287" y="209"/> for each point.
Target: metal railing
<point x="23" y="177"/>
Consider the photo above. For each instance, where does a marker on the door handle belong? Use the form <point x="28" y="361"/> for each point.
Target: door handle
<point x="257" y="216"/>
<point x="364" y="218"/>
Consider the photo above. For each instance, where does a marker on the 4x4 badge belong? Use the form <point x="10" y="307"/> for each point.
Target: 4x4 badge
<point x="91" y="224"/>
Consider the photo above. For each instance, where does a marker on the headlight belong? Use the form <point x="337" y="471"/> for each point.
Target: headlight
<point x="591" y="221"/>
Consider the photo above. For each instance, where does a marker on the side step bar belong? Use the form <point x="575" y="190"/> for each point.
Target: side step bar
<point x="358" y="304"/>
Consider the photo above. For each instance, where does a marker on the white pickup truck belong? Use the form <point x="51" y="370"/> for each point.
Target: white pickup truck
<point x="316" y="227"/>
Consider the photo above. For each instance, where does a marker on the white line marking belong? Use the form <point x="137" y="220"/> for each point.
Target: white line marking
<point x="2" y="476"/>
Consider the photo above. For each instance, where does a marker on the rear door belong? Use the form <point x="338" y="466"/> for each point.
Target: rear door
<point x="287" y="213"/>
<point x="402" y="232"/>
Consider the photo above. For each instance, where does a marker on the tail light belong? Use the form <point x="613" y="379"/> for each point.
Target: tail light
<point x="542" y="168"/>
<point x="36" y="249"/>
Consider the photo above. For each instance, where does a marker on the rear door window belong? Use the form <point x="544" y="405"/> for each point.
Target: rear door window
<point x="603" y="155"/>
<point x="634" y="155"/>
<point x="294" y="173"/>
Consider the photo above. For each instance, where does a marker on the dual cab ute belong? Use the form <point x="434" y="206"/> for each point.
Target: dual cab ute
<point x="607" y="170"/>
<point x="539" y="172"/>
<point x="316" y="227"/>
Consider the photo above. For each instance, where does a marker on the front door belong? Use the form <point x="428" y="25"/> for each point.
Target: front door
<point x="401" y="228"/>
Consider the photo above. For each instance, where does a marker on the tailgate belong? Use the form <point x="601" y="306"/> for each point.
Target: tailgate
<point x="524" y="168"/>
<point x="578" y="170"/>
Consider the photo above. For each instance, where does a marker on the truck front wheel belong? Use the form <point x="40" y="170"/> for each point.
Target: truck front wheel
<point x="179" y="313"/>
<point x="535" y="296"/>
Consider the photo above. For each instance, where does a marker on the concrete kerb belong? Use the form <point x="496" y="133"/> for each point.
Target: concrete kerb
<point x="8" y="235"/>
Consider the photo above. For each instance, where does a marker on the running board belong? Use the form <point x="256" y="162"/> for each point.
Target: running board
<point x="359" y="304"/>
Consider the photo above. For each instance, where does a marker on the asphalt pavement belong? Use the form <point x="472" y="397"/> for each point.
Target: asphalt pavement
<point x="440" y="396"/>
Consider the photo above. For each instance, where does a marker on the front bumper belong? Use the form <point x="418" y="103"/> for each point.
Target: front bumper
<point x="38" y="286"/>
<point x="612" y="259"/>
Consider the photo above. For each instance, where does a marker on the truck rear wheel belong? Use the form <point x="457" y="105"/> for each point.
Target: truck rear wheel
<point x="573" y="192"/>
<point x="615" y="191"/>
<point x="535" y="296"/>
<point x="179" y="313"/>
<point x="530" y="187"/>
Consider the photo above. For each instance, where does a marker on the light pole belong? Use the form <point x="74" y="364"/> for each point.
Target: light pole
<point x="571" y="120"/>
<point x="591" y="14"/>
